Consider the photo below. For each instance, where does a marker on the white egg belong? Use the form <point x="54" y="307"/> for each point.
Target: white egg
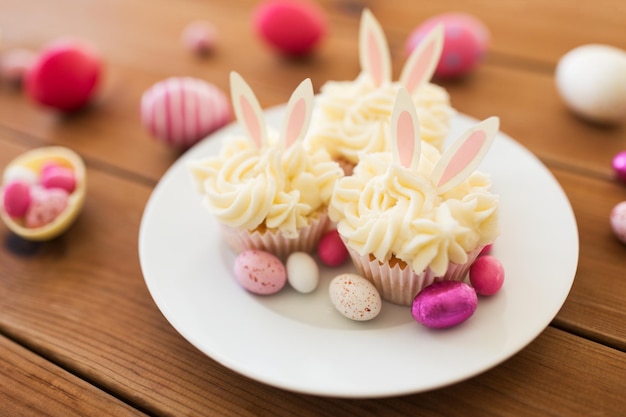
<point x="302" y="272"/>
<point x="19" y="172"/>
<point x="592" y="81"/>
<point x="355" y="297"/>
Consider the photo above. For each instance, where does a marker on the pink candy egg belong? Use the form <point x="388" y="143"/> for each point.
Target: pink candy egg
<point x="486" y="275"/>
<point x="293" y="28"/>
<point x="619" y="165"/>
<point x="260" y="272"/>
<point x="331" y="249"/>
<point x="16" y="198"/>
<point x="444" y="304"/>
<point x="199" y="37"/>
<point x="181" y="111"/>
<point x="465" y="43"/>
<point x="618" y="221"/>
<point x="46" y="206"/>
<point x="64" y="75"/>
<point x="55" y="176"/>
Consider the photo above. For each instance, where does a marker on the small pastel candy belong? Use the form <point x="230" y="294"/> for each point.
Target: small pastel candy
<point x="58" y="177"/>
<point x="486" y="250"/>
<point x="302" y="272"/>
<point x="21" y="173"/>
<point x="16" y="198"/>
<point x="14" y="63"/>
<point x="444" y="304"/>
<point x="486" y="275"/>
<point x="180" y="111"/>
<point x="65" y="75"/>
<point x="618" y="221"/>
<point x="465" y="43"/>
<point x="331" y="249"/>
<point x="199" y="37"/>
<point x="293" y="28"/>
<point x="260" y="272"/>
<point x="46" y="205"/>
<point x="619" y="165"/>
<point x="355" y="297"/>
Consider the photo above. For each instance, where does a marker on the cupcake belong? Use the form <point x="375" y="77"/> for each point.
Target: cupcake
<point x="352" y="117"/>
<point x="265" y="188"/>
<point x="414" y="216"/>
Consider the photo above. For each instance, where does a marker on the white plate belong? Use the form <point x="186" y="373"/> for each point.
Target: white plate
<point x="300" y="343"/>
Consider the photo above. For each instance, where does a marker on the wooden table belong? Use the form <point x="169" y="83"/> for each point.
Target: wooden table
<point x="79" y="332"/>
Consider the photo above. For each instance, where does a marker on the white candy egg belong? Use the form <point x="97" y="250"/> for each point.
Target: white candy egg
<point x="355" y="297"/>
<point x="302" y="272"/>
<point x="592" y="81"/>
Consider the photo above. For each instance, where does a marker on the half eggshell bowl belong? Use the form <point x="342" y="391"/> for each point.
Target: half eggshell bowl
<point x="34" y="160"/>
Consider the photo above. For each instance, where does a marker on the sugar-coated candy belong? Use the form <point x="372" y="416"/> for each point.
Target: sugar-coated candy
<point x="619" y="165"/>
<point x="444" y="304"/>
<point x="55" y="176"/>
<point x="465" y="43"/>
<point x="21" y="173"/>
<point x="591" y="80"/>
<point x="292" y="27"/>
<point x="618" y="221"/>
<point x="199" y="36"/>
<point x="14" y="63"/>
<point x="331" y="249"/>
<point x="16" y="198"/>
<point x="486" y="275"/>
<point x="64" y="75"/>
<point x="355" y="297"/>
<point x="46" y="205"/>
<point x="182" y="110"/>
<point x="486" y="250"/>
<point x="302" y="272"/>
<point x="260" y="272"/>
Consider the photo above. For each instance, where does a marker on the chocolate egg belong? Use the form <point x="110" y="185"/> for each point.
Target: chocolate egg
<point x="355" y="297"/>
<point x="466" y="40"/>
<point x="181" y="110"/>
<point x="260" y="272"/>
<point x="444" y="304"/>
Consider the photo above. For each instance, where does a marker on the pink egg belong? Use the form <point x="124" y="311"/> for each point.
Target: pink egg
<point x="293" y="28"/>
<point x="444" y="304"/>
<point x="46" y="206"/>
<point x="64" y="75"/>
<point x="465" y="43"/>
<point x="486" y="275"/>
<point x="260" y="272"/>
<point x="618" y="221"/>
<point x="199" y="36"/>
<point x="619" y="165"/>
<point x="486" y="250"/>
<point x="331" y="249"/>
<point x="54" y="176"/>
<point x="16" y="198"/>
<point x="181" y="110"/>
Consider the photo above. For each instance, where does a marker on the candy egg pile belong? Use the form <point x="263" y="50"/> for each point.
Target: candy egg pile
<point x="43" y="192"/>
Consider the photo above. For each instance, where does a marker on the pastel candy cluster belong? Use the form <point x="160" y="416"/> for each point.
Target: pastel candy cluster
<point x="37" y="198"/>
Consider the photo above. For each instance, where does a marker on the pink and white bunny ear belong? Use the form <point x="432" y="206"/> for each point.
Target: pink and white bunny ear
<point x="298" y="114"/>
<point x="248" y="110"/>
<point x="420" y="66"/>
<point x="373" y="49"/>
<point x="464" y="156"/>
<point x="406" y="143"/>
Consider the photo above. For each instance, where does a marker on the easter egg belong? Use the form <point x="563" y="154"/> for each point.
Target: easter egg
<point x="331" y="249"/>
<point x="466" y="40"/>
<point x="65" y="75"/>
<point x="486" y="275"/>
<point x="180" y="111"/>
<point x="591" y="80"/>
<point x="47" y="205"/>
<point x="444" y="304"/>
<point x="16" y="198"/>
<point x="199" y="37"/>
<point x="260" y="272"/>
<point x="14" y="63"/>
<point x="618" y="221"/>
<point x="355" y="297"/>
<point x="293" y="28"/>
<point x="619" y="165"/>
<point x="302" y="272"/>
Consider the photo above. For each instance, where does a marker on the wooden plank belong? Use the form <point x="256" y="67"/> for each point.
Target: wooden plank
<point x="32" y="386"/>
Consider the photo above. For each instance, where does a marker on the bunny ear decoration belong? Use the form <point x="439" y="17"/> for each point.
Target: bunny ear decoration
<point x="248" y="110"/>
<point x="373" y="49"/>
<point x="298" y="114"/>
<point x="464" y="156"/>
<point x="420" y="66"/>
<point x="405" y="132"/>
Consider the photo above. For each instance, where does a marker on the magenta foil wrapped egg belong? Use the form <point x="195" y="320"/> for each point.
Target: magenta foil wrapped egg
<point x="180" y="111"/>
<point x="444" y="304"/>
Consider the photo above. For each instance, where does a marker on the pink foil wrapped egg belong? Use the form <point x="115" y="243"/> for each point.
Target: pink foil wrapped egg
<point x="444" y="304"/>
<point x="182" y="110"/>
<point x="465" y="43"/>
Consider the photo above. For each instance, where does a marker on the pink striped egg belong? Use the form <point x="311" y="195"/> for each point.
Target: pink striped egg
<point x="182" y="110"/>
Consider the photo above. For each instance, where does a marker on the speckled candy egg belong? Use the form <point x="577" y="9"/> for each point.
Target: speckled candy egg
<point x="465" y="43"/>
<point x="182" y="110"/>
<point x="618" y="221"/>
<point x="444" y="304"/>
<point x="355" y="297"/>
<point x="591" y="79"/>
<point x="260" y="272"/>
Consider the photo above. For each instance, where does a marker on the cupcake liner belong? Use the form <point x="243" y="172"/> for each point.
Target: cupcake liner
<point x="398" y="283"/>
<point x="274" y="241"/>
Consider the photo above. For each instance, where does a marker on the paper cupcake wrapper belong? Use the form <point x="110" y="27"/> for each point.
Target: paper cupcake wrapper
<point x="401" y="285"/>
<point x="274" y="241"/>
